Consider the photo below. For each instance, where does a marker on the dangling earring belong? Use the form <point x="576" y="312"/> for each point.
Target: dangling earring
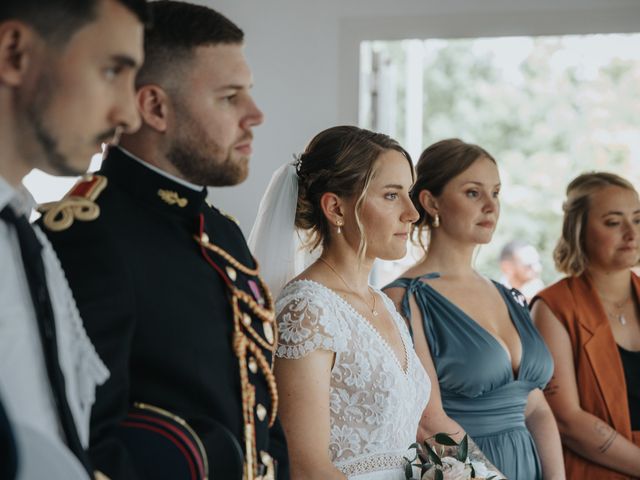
<point x="339" y="224"/>
<point x="436" y="221"/>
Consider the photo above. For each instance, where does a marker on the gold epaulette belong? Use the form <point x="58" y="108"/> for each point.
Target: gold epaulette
<point x="78" y="204"/>
<point x="230" y="217"/>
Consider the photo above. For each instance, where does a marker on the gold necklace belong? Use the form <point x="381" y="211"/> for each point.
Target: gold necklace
<point x="619" y="306"/>
<point x="374" y="312"/>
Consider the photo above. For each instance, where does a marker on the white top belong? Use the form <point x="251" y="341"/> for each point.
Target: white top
<point x="375" y="405"/>
<point x="24" y="385"/>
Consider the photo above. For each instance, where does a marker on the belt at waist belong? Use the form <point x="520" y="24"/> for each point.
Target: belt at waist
<point x="373" y="462"/>
<point x="485" y="415"/>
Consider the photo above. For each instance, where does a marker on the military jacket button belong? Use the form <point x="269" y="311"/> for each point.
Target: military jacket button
<point x="268" y="332"/>
<point x="261" y="412"/>
<point x="253" y="365"/>
<point x="246" y="319"/>
<point x="231" y="272"/>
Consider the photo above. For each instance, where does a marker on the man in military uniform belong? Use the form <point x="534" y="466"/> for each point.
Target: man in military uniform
<point x="165" y="283"/>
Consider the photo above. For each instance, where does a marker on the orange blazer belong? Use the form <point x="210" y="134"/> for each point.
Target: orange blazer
<point x="599" y="372"/>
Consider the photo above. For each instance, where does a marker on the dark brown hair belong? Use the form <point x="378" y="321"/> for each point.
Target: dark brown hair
<point x="58" y="20"/>
<point x="178" y="29"/>
<point x="340" y="160"/>
<point x="438" y="164"/>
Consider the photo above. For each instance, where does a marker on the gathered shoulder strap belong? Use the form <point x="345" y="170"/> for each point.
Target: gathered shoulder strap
<point x="411" y="285"/>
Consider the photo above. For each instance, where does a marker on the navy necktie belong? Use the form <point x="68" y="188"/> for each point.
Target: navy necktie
<point x="31" y="251"/>
<point x="9" y="463"/>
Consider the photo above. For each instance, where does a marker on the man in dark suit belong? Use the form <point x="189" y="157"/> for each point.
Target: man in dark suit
<point x="166" y="285"/>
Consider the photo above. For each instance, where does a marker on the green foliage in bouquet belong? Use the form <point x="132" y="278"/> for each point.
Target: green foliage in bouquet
<point x="427" y="458"/>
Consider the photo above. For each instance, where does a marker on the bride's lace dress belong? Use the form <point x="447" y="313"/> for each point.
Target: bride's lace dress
<point x="375" y="400"/>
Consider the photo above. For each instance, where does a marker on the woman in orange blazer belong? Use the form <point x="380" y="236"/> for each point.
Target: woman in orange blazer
<point x="591" y="323"/>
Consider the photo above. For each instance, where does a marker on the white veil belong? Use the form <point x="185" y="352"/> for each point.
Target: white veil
<point x="274" y="240"/>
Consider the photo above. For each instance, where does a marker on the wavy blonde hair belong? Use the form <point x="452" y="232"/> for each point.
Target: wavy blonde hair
<point x="569" y="255"/>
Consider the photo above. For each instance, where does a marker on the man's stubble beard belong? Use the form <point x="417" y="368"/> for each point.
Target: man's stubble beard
<point x="56" y="162"/>
<point x="202" y="161"/>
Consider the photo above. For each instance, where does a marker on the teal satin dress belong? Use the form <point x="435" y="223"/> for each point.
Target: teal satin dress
<point x="477" y="384"/>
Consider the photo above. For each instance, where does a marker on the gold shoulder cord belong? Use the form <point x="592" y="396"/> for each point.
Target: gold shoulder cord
<point x="78" y="204"/>
<point x="246" y="340"/>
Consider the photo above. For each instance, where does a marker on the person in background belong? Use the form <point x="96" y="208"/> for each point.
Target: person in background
<point x="591" y="322"/>
<point x="67" y="71"/>
<point x="487" y="362"/>
<point x="167" y="287"/>
<point x="521" y="268"/>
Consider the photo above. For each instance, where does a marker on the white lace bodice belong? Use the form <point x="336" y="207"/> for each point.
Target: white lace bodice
<point x="375" y="405"/>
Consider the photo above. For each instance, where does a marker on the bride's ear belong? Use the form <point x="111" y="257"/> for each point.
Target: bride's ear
<point x="332" y="208"/>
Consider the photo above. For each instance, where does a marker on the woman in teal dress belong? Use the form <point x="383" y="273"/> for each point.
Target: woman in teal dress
<point x="487" y="362"/>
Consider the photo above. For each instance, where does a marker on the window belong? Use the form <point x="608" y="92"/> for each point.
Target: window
<point x="547" y="108"/>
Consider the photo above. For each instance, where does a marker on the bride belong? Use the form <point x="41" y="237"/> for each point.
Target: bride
<point x="351" y="388"/>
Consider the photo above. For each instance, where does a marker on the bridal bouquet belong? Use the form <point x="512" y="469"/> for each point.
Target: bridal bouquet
<point x="434" y="466"/>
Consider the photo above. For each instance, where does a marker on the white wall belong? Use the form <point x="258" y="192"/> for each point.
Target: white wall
<point x="304" y="58"/>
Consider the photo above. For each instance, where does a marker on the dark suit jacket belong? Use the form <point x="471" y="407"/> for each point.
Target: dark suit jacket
<point x="160" y="314"/>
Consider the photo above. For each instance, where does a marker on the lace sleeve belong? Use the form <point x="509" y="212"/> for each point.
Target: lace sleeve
<point x="306" y="323"/>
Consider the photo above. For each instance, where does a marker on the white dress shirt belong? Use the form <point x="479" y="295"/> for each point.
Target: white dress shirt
<point x="24" y="384"/>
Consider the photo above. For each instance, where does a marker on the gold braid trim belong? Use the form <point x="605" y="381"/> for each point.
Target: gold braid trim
<point x="265" y="313"/>
<point x="258" y="338"/>
<point x="241" y="344"/>
<point x="246" y="339"/>
<point x="226" y="255"/>
<point x="271" y="380"/>
<point x="248" y="401"/>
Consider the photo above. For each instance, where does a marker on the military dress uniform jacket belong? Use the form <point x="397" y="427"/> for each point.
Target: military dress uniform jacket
<point x="166" y="287"/>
